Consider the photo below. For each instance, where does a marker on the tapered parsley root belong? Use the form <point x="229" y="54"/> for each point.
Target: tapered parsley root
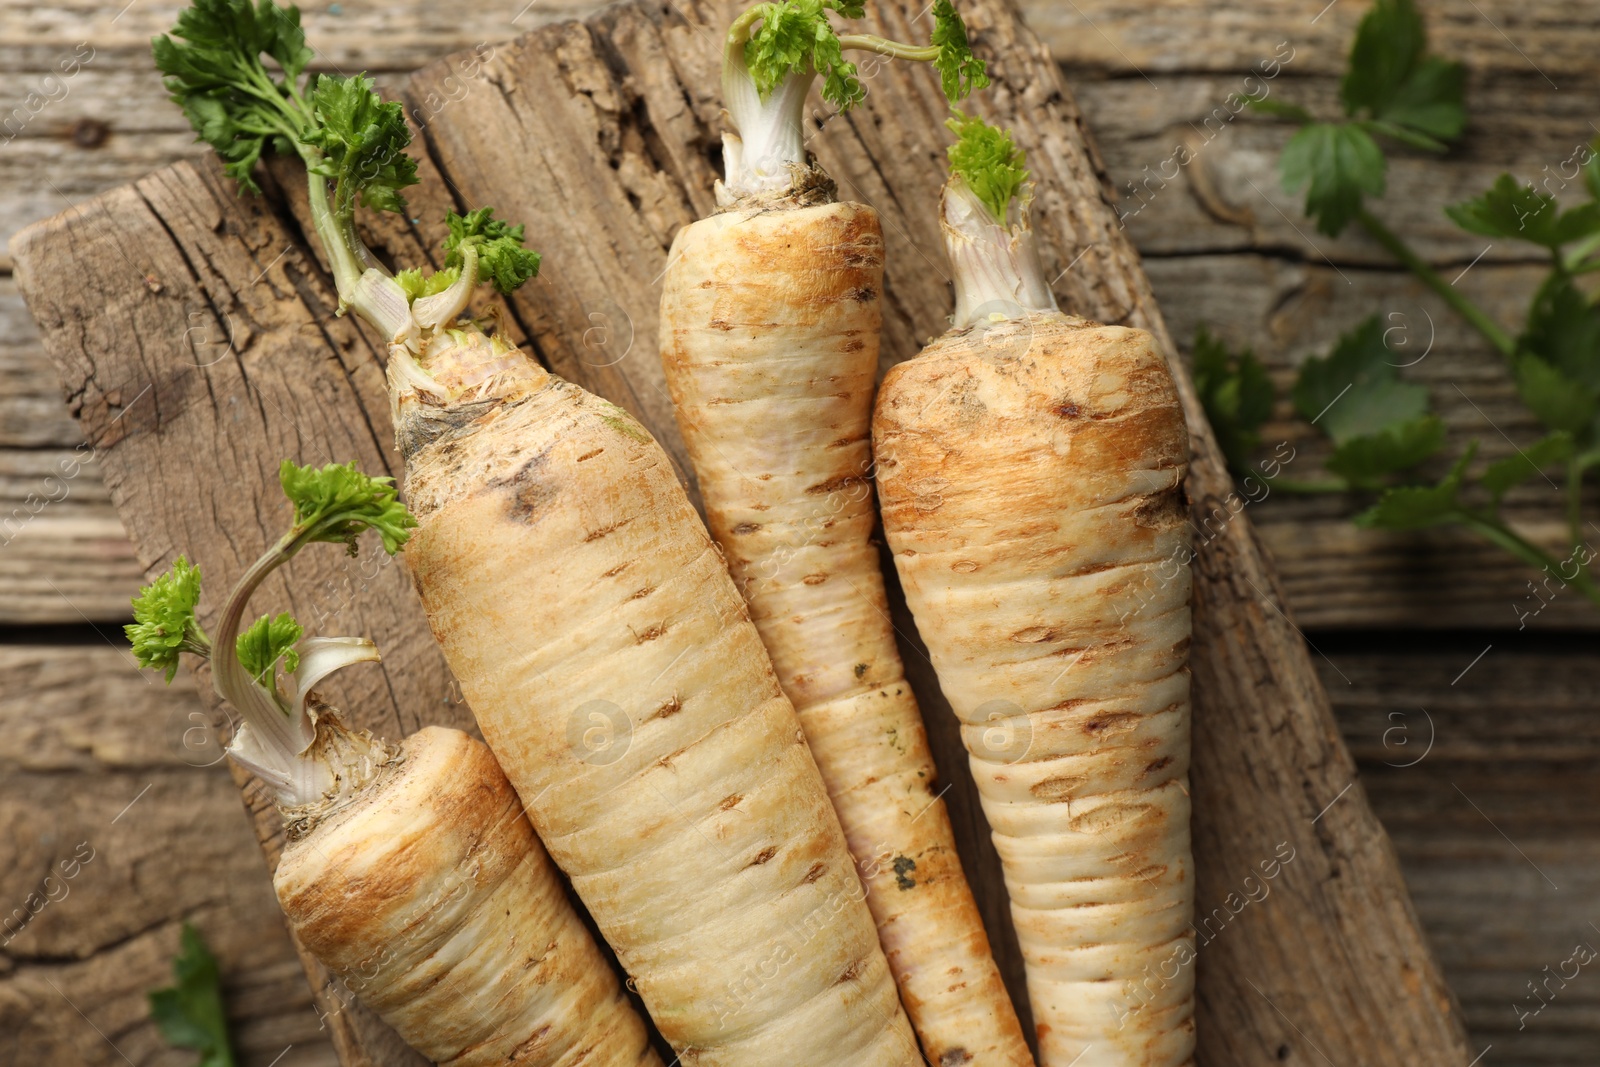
<point x="769" y="336"/>
<point x="1030" y="470"/>
<point x="410" y="870"/>
<point x="609" y="660"/>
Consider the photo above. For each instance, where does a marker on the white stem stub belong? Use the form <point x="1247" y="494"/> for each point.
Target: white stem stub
<point x="996" y="268"/>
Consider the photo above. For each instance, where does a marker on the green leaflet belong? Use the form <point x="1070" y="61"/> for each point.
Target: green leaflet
<point x="190" y="1014"/>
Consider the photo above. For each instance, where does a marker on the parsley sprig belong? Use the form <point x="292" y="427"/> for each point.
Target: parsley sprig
<point x="986" y="159"/>
<point x="1379" y="425"/>
<point x="190" y="1013"/>
<point x="353" y="143"/>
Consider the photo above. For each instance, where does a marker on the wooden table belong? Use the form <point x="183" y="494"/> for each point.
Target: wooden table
<point x="1496" y="825"/>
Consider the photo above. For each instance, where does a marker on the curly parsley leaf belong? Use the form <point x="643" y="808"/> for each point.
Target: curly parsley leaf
<point x="190" y="1014"/>
<point x="501" y="257"/>
<point x="1511" y="209"/>
<point x="795" y="32"/>
<point x="960" y="72"/>
<point x="1557" y="400"/>
<point x="164" y="622"/>
<point x="363" y="141"/>
<point x="268" y="640"/>
<point x="1355" y="390"/>
<point x="1411" y="507"/>
<point x="212" y="62"/>
<point x="1392" y="81"/>
<point x="986" y="159"/>
<point x="1236" y="394"/>
<point x="417" y="283"/>
<point x="1337" y="165"/>
<point x="338" y="503"/>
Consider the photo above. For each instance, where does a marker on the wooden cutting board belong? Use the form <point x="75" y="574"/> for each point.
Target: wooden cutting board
<point x="194" y="332"/>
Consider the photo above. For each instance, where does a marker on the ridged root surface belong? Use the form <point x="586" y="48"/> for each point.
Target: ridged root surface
<point x="1030" y="481"/>
<point x="429" y="895"/>
<point x="769" y="339"/>
<point x="615" y="672"/>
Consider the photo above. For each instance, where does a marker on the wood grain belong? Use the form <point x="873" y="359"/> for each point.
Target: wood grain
<point x="600" y="135"/>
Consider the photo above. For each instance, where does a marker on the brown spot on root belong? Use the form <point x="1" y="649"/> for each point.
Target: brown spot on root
<point x="1069" y="410"/>
<point x="1156" y="765"/>
<point x="861" y="294"/>
<point x="817" y="871"/>
<point x="720" y="324"/>
<point x="964" y="566"/>
<point x="730" y="802"/>
<point x="747" y="528"/>
<point x="846" y="442"/>
<point x="763" y="856"/>
<point x="590" y="455"/>
<point x="855" y="344"/>
<point x="529" y="493"/>
<point x="1056" y="790"/>
<point x="1034" y="635"/>
<point x="640" y="594"/>
<point x="861" y="670"/>
<point x="595" y="535"/>
<point x="618" y="569"/>
<point x="1116" y="722"/>
<point x="1162" y="511"/>
<point x="903" y="866"/>
<point x="669" y="709"/>
<point x="1068" y="704"/>
<point x="836" y="484"/>
<point x="849" y="973"/>
<point x="955" y="1057"/>
<point x="814" y="579"/>
<point x="651" y="633"/>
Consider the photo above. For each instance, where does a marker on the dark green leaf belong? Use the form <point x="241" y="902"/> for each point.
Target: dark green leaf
<point x="501" y="257"/>
<point x="1411" y="507"/>
<point x="1510" y="209"/>
<point x="1279" y="108"/>
<point x="1236" y="394"/>
<point x="190" y="1014"/>
<point x="267" y="641"/>
<point x="338" y="503"/>
<point x="1364" y="461"/>
<point x="1390" y="77"/>
<point x="1555" y="399"/>
<point x="1564" y="330"/>
<point x="1514" y="470"/>
<point x="1356" y="391"/>
<point x="1337" y="165"/>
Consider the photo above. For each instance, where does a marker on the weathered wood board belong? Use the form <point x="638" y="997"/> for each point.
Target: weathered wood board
<point x="600" y="135"/>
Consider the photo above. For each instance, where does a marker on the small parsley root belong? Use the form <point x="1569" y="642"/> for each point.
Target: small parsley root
<point x="1030" y="471"/>
<point x="598" y="639"/>
<point x="410" y="870"/>
<point x="770" y="316"/>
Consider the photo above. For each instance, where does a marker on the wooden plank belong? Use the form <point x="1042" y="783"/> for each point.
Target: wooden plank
<point x="93" y="755"/>
<point x="598" y="136"/>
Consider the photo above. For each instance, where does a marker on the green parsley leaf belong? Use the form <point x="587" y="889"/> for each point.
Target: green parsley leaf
<point x="1502" y="474"/>
<point x="960" y="72"/>
<point x="1355" y="391"/>
<point x="1563" y="329"/>
<point x="1555" y="399"/>
<point x="793" y="32"/>
<point x="417" y="284"/>
<point x="337" y="503"/>
<point x="363" y="142"/>
<point x="267" y="641"/>
<point x="1337" y="164"/>
<point x="501" y="257"/>
<point x="986" y="159"/>
<point x="1390" y="78"/>
<point x="164" y="623"/>
<point x="1364" y="461"/>
<point x="215" y="74"/>
<point x="1236" y="394"/>
<point x="1282" y="109"/>
<point x="190" y="1014"/>
<point x="1411" y="507"/>
<point x="1510" y="209"/>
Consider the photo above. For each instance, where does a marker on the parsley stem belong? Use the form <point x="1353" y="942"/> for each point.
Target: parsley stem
<point x="867" y="42"/>
<point x="1575" y="468"/>
<point x="1464" y="307"/>
<point x="1307" y="485"/>
<point x="1498" y="533"/>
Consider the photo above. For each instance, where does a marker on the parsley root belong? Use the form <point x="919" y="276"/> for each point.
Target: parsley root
<point x="1030" y="471"/>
